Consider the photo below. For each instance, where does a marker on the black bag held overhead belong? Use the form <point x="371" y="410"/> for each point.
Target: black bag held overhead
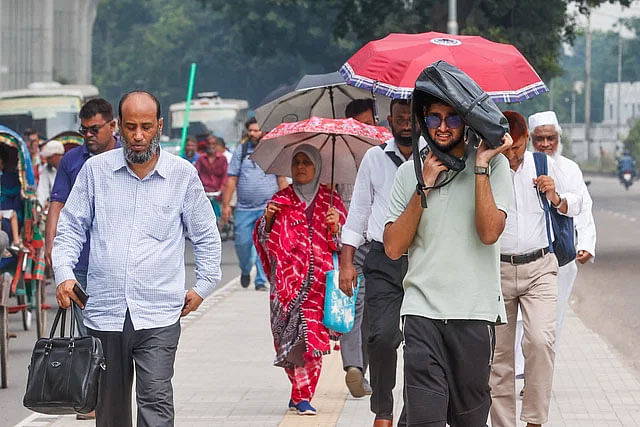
<point x="64" y="373"/>
<point x="563" y="246"/>
<point x="450" y="84"/>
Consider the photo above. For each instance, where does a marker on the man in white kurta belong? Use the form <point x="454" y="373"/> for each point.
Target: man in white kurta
<point x="546" y="137"/>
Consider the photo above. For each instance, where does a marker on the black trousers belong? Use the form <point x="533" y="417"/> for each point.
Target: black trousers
<point x="153" y="351"/>
<point x="382" y="304"/>
<point x="446" y="371"/>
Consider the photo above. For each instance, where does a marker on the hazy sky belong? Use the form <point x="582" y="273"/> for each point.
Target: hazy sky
<point x="606" y="15"/>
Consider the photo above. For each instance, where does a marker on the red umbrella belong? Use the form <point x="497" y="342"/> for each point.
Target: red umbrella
<point x="390" y="66"/>
<point x="342" y="144"/>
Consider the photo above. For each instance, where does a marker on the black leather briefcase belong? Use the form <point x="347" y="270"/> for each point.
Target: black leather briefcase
<point x="64" y="373"/>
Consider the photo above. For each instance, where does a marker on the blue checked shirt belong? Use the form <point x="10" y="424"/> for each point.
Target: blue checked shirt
<point x="137" y="228"/>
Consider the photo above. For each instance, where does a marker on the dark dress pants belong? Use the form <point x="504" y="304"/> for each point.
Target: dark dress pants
<point x="382" y="303"/>
<point x="153" y="351"/>
<point x="446" y="371"/>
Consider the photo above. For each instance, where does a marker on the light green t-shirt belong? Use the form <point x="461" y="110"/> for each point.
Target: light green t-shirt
<point x="452" y="274"/>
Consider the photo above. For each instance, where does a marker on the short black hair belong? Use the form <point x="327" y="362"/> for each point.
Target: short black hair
<point x="249" y="122"/>
<point x="358" y="106"/>
<point x="96" y="106"/>
<point x="220" y="141"/>
<point x="191" y="138"/>
<point x="28" y="132"/>
<point x="400" y="101"/>
<point x="152" y="96"/>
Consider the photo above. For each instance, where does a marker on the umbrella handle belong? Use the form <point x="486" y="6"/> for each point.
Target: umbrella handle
<point x="375" y="107"/>
<point x="333" y="108"/>
<point x="333" y="163"/>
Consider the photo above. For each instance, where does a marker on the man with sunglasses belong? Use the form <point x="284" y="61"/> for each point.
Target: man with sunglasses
<point x="98" y="129"/>
<point x="383" y="276"/>
<point x="452" y="287"/>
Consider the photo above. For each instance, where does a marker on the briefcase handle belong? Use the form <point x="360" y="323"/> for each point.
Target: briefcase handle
<point x="62" y="314"/>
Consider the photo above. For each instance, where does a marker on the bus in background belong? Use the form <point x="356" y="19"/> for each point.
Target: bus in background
<point x="47" y="107"/>
<point x="209" y="114"/>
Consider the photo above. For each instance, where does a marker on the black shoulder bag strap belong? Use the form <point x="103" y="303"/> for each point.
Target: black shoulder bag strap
<point x="542" y="168"/>
<point x="392" y="155"/>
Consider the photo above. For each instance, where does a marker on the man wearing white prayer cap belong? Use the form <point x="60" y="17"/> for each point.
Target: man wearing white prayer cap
<point x="52" y="152"/>
<point x="546" y="137"/>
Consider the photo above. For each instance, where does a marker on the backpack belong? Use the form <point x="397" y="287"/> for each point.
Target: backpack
<point x="563" y="246"/>
<point x="392" y="155"/>
<point x="245" y="151"/>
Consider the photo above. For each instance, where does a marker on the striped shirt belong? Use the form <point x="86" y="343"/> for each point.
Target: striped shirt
<point x="254" y="187"/>
<point x="137" y="228"/>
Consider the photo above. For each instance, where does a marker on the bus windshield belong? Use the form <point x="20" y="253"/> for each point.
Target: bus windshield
<point x="222" y="122"/>
<point x="48" y="115"/>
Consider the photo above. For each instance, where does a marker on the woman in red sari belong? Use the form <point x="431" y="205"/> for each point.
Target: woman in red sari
<point x="296" y="239"/>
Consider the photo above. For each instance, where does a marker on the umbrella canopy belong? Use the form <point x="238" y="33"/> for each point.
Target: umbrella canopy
<point x="319" y="95"/>
<point x="390" y="66"/>
<point x="342" y="143"/>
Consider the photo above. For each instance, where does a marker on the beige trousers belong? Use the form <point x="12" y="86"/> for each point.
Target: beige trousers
<point x="534" y="288"/>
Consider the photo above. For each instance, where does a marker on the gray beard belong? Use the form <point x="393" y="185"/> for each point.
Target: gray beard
<point x="145" y="156"/>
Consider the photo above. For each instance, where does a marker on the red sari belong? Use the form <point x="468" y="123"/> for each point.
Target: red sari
<point x="296" y="256"/>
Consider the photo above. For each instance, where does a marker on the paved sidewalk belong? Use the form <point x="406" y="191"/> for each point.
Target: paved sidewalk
<point x="224" y="375"/>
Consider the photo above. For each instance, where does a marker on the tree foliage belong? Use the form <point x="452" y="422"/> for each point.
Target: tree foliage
<point x="246" y="48"/>
<point x="632" y="141"/>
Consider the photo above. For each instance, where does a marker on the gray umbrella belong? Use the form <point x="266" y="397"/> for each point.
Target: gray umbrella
<point x="319" y="95"/>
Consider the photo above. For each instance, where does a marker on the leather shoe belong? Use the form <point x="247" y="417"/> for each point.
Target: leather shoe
<point x="382" y="423"/>
<point x="355" y="381"/>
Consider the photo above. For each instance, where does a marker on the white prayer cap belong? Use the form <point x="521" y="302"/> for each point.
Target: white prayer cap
<point x="541" y="119"/>
<point x="51" y="148"/>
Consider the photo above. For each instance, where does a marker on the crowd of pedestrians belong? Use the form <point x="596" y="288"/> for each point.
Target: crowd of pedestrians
<point x="467" y="284"/>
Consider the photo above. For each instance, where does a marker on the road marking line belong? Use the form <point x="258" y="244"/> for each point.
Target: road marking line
<point x="209" y="302"/>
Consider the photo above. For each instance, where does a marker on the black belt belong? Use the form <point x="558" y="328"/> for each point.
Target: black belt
<point x="375" y="245"/>
<point x="525" y="258"/>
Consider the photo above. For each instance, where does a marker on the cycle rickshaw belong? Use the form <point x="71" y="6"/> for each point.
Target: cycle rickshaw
<point x="70" y="139"/>
<point x="22" y="284"/>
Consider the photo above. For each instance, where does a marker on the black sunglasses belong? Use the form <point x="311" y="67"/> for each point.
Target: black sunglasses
<point x="93" y="129"/>
<point x="452" y="122"/>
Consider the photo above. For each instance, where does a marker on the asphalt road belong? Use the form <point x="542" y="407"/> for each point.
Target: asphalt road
<point x="606" y="295"/>
<point x="11" y="409"/>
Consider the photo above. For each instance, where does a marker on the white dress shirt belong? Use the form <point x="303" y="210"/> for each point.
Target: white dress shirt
<point x="583" y="223"/>
<point x="370" y="199"/>
<point x="47" y="178"/>
<point x="525" y="230"/>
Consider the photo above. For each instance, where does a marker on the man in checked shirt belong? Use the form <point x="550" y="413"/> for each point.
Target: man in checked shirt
<point x="137" y="203"/>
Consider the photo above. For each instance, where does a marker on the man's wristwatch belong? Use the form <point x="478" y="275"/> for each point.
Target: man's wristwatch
<point x="559" y="203"/>
<point x="481" y="170"/>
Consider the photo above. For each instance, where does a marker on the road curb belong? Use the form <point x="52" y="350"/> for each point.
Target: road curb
<point x="43" y="420"/>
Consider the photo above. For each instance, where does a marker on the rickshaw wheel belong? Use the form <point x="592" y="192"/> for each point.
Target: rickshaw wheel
<point x="27" y="316"/>
<point x="41" y="313"/>
<point x="4" y="344"/>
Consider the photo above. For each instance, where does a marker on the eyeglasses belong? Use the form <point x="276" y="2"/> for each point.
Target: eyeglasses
<point x="452" y="122"/>
<point x="84" y="131"/>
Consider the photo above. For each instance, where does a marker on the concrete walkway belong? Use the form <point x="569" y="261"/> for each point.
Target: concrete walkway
<point x="224" y="376"/>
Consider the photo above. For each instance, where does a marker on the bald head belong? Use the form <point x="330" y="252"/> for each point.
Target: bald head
<point x="142" y="99"/>
<point x="140" y="126"/>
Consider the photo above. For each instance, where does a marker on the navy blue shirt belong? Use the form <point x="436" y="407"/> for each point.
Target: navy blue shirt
<point x="68" y="170"/>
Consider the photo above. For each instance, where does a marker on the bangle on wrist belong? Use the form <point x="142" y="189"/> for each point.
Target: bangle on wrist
<point x="559" y="202"/>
